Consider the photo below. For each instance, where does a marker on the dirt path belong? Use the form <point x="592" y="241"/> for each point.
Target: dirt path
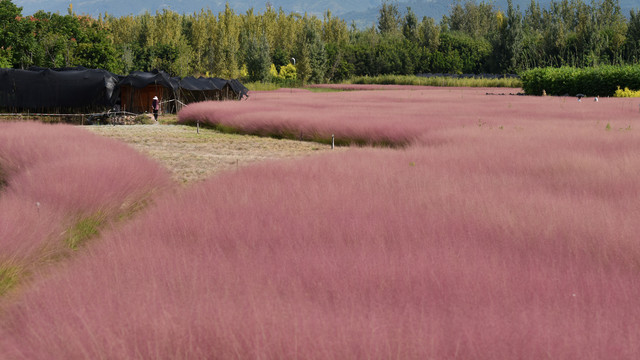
<point x="191" y="156"/>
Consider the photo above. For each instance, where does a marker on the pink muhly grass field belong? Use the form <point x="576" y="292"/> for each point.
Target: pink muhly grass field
<point x="58" y="175"/>
<point x="397" y="117"/>
<point x="476" y="242"/>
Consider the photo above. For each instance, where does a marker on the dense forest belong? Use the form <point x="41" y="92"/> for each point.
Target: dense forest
<point x="472" y="38"/>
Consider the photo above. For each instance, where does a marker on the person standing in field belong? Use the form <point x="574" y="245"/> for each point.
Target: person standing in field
<point x="155" y="105"/>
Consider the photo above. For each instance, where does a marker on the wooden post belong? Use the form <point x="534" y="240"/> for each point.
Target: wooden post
<point x="333" y="141"/>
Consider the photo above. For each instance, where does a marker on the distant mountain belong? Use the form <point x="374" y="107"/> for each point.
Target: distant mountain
<point x="363" y="12"/>
<point x="125" y="7"/>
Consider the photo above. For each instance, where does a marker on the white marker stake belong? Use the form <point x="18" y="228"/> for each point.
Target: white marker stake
<point x="333" y="141"/>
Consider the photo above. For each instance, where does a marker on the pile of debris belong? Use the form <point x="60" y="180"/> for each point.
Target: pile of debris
<point x="119" y="119"/>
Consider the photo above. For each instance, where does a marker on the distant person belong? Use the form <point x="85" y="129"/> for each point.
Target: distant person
<point x="155" y="105"/>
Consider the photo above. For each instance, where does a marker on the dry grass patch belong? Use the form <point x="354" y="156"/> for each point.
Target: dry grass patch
<point x="191" y="156"/>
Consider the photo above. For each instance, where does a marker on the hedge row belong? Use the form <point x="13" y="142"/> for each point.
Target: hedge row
<point x="597" y="81"/>
<point x="441" y="80"/>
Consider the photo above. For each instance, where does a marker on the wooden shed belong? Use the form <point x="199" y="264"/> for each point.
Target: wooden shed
<point x="138" y="89"/>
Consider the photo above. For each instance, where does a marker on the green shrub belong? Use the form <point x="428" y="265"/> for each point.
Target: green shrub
<point x="595" y="81"/>
<point x="288" y="72"/>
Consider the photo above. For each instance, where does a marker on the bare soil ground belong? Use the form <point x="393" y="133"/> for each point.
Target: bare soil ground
<point x="191" y="156"/>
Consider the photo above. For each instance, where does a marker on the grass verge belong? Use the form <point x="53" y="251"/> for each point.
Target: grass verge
<point x="446" y="81"/>
<point x="262" y="86"/>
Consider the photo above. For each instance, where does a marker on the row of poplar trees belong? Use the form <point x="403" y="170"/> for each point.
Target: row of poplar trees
<point x="472" y="38"/>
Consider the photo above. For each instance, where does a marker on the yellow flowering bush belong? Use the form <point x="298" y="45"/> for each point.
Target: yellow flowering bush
<point x="626" y="92"/>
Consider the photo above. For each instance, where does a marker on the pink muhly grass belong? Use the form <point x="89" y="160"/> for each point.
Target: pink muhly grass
<point x="492" y="244"/>
<point x="58" y="175"/>
<point x="314" y="117"/>
<point x="395" y="117"/>
<point x="24" y="228"/>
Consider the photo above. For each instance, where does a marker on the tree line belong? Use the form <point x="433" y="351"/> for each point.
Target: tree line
<point x="472" y="38"/>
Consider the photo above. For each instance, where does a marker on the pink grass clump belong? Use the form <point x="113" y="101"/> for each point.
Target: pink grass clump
<point x="57" y="175"/>
<point x="476" y="242"/>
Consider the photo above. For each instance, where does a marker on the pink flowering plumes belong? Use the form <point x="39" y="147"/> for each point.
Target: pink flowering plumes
<point x="398" y="117"/>
<point x="56" y="175"/>
<point x="506" y="235"/>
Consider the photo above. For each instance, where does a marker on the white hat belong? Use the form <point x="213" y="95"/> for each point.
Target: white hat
<point x="155" y="98"/>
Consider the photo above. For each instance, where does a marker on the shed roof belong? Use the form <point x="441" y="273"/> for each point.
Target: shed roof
<point x="41" y="89"/>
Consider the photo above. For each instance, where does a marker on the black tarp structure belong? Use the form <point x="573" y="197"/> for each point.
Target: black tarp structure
<point x="200" y="89"/>
<point x="65" y="90"/>
<point x="138" y="89"/>
<point x="82" y="91"/>
<point x="205" y="89"/>
<point x="240" y="90"/>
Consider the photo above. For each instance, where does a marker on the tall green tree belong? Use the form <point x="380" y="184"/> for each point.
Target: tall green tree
<point x="169" y="47"/>
<point x="556" y="34"/>
<point x="532" y="20"/>
<point x="360" y="51"/>
<point x="336" y="37"/>
<point x="9" y="14"/>
<point x="18" y="35"/>
<point x="225" y="61"/>
<point x="410" y="26"/>
<point x="311" y="55"/>
<point x="96" y="50"/>
<point x="510" y="43"/>
<point x="475" y="20"/>
<point x="532" y="52"/>
<point x="429" y="34"/>
<point x="612" y="28"/>
<point x="388" y="18"/>
<point x="258" y="58"/>
<point x="198" y="35"/>
<point x="462" y="54"/>
<point x="285" y="38"/>
<point x="632" y="40"/>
